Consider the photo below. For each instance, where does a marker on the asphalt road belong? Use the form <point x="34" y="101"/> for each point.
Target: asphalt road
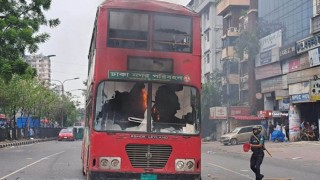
<point x="46" y="160"/>
<point x="61" y="160"/>
<point x="219" y="162"/>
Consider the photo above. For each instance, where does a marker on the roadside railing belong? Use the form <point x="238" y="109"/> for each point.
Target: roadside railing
<point x="24" y="133"/>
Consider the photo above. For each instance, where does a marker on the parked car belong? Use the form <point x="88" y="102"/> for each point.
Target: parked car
<point x="239" y="135"/>
<point x="66" y="134"/>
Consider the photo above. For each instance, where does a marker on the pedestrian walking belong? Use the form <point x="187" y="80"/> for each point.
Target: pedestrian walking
<point x="270" y="129"/>
<point x="257" y="147"/>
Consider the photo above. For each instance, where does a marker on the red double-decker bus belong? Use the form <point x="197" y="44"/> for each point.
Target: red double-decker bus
<point x="143" y="93"/>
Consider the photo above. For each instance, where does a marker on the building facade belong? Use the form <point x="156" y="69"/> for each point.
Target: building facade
<point x="211" y="49"/>
<point x="284" y="67"/>
<point x="282" y="81"/>
<point x="211" y="43"/>
<point x="43" y="66"/>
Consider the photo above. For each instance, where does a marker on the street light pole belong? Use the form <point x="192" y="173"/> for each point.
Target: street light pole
<point x="62" y="94"/>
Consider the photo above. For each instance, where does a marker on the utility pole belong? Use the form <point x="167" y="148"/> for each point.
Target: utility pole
<point x="62" y="95"/>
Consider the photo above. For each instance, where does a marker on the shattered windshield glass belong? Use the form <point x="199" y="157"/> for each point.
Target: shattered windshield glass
<point x="146" y="107"/>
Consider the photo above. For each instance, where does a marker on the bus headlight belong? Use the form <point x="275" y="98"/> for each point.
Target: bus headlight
<point x="190" y="165"/>
<point x="115" y="163"/>
<point x="110" y="162"/>
<point x="179" y="165"/>
<point x="104" y="163"/>
<point x="184" y="164"/>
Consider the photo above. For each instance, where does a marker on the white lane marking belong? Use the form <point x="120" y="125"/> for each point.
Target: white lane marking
<point x="247" y="176"/>
<point x="2" y="178"/>
<point x="296" y="158"/>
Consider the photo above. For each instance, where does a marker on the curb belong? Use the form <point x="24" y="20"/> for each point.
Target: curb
<point x="24" y="142"/>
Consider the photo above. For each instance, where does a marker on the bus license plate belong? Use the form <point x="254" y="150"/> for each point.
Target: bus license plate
<point x="148" y="177"/>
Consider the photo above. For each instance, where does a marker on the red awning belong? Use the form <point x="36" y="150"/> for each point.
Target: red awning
<point x="247" y="118"/>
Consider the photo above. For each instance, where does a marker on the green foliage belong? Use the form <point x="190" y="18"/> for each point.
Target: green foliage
<point x="247" y="42"/>
<point x="31" y="98"/>
<point x="20" y="21"/>
<point x="211" y="93"/>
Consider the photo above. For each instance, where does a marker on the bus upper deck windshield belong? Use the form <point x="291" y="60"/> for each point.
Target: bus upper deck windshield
<point x="146" y="107"/>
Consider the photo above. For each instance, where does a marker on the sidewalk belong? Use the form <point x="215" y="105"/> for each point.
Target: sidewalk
<point x="8" y="143"/>
<point x="302" y="150"/>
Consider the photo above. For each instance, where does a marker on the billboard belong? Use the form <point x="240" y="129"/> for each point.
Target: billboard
<point x="218" y="113"/>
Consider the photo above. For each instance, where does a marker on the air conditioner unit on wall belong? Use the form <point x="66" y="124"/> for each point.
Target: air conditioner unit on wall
<point x="233" y="29"/>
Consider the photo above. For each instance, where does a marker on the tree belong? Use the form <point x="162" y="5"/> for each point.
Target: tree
<point x="210" y="97"/>
<point x="247" y="42"/>
<point x="20" y="21"/>
<point x="31" y="98"/>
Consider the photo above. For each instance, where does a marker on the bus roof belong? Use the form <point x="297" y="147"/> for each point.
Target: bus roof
<point x="148" y="5"/>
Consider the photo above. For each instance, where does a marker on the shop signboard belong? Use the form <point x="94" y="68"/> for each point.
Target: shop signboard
<point x="287" y="51"/>
<point x="299" y="88"/>
<point x="305" y="75"/>
<point x="271" y="41"/>
<point x="267" y="71"/>
<point x="239" y="111"/>
<point x="275" y="83"/>
<point x="218" y="113"/>
<point x="314" y="58"/>
<point x="315" y="90"/>
<point x="296" y="98"/>
<point x="267" y="57"/>
<point x="284" y="104"/>
<point x="308" y="43"/>
<point x="294" y="65"/>
<point x="265" y="114"/>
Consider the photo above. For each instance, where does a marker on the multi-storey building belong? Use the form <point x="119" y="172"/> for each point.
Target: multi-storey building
<point x="231" y="11"/>
<point x="285" y="74"/>
<point x="211" y="44"/>
<point x="43" y="66"/>
<point x="283" y="66"/>
<point x="211" y="48"/>
<point x="239" y="87"/>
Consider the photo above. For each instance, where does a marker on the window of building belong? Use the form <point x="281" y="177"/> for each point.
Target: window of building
<point x="207" y="14"/>
<point x="207" y="77"/>
<point x="315" y="24"/>
<point x="207" y="33"/>
<point x="208" y="58"/>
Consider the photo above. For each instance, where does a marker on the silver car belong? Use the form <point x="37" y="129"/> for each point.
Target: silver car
<point x="239" y="135"/>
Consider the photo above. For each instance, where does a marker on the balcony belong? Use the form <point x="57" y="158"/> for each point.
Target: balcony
<point x="245" y="57"/>
<point x="244" y="86"/>
<point x="233" y="78"/>
<point x="244" y="78"/>
<point x="228" y="53"/>
<point x="230" y="79"/>
<point x="201" y="4"/>
<point x="231" y="31"/>
<point x="225" y="5"/>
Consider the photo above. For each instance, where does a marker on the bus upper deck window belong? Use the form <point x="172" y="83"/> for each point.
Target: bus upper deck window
<point x="172" y="33"/>
<point x="128" y="30"/>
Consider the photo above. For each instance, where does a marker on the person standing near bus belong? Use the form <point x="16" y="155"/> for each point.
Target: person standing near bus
<point x="270" y="129"/>
<point x="257" y="147"/>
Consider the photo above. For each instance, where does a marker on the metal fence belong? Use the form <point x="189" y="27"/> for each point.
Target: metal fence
<point x="23" y="133"/>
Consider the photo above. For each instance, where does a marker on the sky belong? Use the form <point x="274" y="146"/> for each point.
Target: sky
<point x="70" y="41"/>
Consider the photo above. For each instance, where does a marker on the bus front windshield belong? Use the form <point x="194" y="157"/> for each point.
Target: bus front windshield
<point x="147" y="107"/>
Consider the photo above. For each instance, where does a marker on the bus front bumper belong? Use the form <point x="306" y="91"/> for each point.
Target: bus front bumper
<point x="137" y="176"/>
